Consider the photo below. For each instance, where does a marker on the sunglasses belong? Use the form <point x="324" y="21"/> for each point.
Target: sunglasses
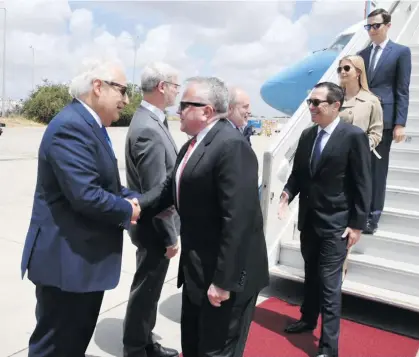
<point x="121" y="88"/>
<point x="316" y="102"/>
<point x="345" y="68"/>
<point x="374" y="26"/>
<point x="184" y="105"/>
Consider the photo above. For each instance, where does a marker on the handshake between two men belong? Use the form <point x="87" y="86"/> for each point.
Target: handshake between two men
<point x="215" y="295"/>
<point x="136" y="211"/>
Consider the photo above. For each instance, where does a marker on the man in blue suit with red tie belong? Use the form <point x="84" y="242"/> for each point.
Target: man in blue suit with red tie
<point x="73" y="247"/>
<point x="389" y="66"/>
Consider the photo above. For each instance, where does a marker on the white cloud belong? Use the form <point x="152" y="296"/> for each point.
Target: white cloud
<point x="245" y="42"/>
<point x="81" y="24"/>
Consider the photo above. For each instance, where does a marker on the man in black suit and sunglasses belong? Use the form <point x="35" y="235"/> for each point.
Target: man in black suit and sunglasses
<point x="214" y="186"/>
<point x="389" y="66"/>
<point x="331" y="172"/>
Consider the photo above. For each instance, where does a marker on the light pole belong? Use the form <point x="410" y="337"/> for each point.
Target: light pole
<point x="3" y="91"/>
<point x="33" y="66"/>
<point x="135" y="61"/>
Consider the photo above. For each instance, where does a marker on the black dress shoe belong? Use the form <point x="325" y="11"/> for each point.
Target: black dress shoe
<point x="157" y="350"/>
<point x="299" y="327"/>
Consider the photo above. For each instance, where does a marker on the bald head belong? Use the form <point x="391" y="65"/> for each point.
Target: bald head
<point x="239" y="107"/>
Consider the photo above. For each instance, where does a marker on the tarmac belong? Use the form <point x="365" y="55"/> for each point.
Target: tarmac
<point x="18" y="168"/>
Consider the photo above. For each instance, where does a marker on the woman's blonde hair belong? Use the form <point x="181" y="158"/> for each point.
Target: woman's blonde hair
<point x="358" y="63"/>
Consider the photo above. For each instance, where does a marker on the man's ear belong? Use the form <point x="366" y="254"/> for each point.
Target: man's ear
<point x="160" y="86"/>
<point x="208" y="111"/>
<point x="97" y="87"/>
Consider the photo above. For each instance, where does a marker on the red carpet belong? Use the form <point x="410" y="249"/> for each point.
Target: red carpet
<point x="267" y="339"/>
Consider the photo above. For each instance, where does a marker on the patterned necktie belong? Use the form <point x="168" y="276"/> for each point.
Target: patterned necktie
<point x="185" y="160"/>
<point x="317" y="151"/>
<point x="372" y="66"/>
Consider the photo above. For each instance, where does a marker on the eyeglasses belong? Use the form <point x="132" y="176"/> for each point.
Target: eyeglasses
<point x="316" y="102"/>
<point x="121" y="88"/>
<point x="173" y="84"/>
<point x="346" y="68"/>
<point x="374" y="26"/>
<point x="184" y="105"/>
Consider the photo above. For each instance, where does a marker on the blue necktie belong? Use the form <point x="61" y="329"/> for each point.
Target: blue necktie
<point x="371" y="67"/>
<point x="317" y="151"/>
<point x="108" y="139"/>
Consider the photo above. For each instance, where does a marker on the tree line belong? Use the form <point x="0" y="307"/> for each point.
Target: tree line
<point x="48" y="99"/>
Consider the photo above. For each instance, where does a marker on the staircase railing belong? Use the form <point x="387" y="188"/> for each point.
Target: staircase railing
<point x="277" y="161"/>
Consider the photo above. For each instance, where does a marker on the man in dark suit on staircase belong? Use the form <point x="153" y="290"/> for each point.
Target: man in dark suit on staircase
<point x="331" y="173"/>
<point x="389" y="66"/>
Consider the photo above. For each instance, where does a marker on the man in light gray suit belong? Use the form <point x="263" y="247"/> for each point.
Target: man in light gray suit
<point x="150" y="155"/>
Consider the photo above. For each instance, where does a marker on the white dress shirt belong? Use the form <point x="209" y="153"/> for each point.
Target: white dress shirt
<point x="92" y="112"/>
<point x="160" y="114"/>
<point x="380" y="51"/>
<point x="201" y="135"/>
<point x="328" y="132"/>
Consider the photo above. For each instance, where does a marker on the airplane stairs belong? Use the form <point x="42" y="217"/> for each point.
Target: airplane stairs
<point x="382" y="267"/>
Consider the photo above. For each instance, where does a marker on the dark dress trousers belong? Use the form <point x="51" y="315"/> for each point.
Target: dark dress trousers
<point x="333" y="196"/>
<point x="222" y="239"/>
<point x="390" y="81"/>
<point x="73" y="247"/>
<point x="150" y="155"/>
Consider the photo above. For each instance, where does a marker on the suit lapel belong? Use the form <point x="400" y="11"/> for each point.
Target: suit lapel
<point x="199" y="152"/>
<point x="367" y="56"/>
<point x="311" y="137"/>
<point x="178" y="161"/>
<point x="334" y="140"/>
<point x="95" y="126"/>
<point x="382" y="59"/>
<point x="163" y="127"/>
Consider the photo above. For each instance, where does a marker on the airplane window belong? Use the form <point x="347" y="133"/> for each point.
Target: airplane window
<point x="341" y="42"/>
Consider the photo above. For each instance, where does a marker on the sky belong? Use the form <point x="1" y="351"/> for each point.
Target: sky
<point x="242" y="42"/>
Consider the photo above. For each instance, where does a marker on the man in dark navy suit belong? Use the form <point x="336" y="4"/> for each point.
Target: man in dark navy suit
<point x="248" y="132"/>
<point x="389" y="66"/>
<point x="331" y="173"/>
<point x="73" y="248"/>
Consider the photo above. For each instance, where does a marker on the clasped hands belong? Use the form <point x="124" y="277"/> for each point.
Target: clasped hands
<point x="136" y="209"/>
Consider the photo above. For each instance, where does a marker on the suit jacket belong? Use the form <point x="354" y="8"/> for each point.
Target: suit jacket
<point x="74" y="241"/>
<point x="338" y="194"/>
<point x="248" y="132"/>
<point x="390" y="81"/>
<point x="150" y="156"/>
<point x="221" y="219"/>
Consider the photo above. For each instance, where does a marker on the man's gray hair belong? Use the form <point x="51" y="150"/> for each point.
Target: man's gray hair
<point x="232" y="95"/>
<point x="92" y="70"/>
<point x="212" y="89"/>
<point x="157" y="72"/>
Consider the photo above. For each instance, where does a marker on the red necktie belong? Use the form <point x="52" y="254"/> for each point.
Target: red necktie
<point x="185" y="160"/>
